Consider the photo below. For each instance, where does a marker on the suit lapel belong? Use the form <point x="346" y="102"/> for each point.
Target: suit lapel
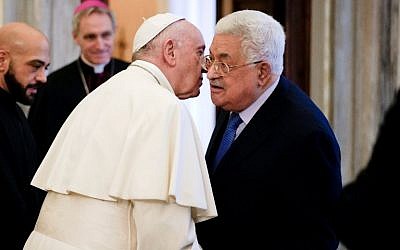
<point x="222" y="121"/>
<point x="263" y="125"/>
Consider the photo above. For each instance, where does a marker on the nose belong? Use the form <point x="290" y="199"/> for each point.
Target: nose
<point x="203" y="70"/>
<point x="212" y="73"/>
<point x="41" y="75"/>
<point x="99" y="42"/>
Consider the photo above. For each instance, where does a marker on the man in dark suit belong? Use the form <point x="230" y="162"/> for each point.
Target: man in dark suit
<point x="276" y="186"/>
<point x="93" y="31"/>
<point x="368" y="210"/>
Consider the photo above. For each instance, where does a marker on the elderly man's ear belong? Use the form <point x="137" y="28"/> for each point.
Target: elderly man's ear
<point x="265" y="75"/>
<point x="169" y="52"/>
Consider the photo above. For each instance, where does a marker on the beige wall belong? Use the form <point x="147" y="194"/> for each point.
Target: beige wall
<point x="129" y="15"/>
<point x="354" y="51"/>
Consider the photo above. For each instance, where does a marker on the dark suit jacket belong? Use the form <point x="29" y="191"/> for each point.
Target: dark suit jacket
<point x="55" y="101"/>
<point x="276" y="186"/>
<point x="368" y="214"/>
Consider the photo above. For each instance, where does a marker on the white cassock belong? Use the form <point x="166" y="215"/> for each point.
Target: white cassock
<point x="126" y="171"/>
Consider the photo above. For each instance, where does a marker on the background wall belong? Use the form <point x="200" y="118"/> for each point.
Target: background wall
<point x="129" y="15"/>
<point x="355" y="71"/>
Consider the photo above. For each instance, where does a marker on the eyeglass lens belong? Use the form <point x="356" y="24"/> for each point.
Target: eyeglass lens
<point x="219" y="67"/>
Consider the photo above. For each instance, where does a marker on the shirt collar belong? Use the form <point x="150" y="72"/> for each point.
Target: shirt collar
<point x="97" y="68"/>
<point x="250" y="111"/>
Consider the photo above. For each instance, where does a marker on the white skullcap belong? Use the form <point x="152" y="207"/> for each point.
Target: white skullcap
<point x="151" y="27"/>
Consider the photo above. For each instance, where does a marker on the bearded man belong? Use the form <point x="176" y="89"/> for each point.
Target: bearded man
<point x="23" y="63"/>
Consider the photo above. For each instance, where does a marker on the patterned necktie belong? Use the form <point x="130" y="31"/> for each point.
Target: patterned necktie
<point x="228" y="138"/>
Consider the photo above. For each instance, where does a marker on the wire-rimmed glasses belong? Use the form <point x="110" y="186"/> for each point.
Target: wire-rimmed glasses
<point x="221" y="68"/>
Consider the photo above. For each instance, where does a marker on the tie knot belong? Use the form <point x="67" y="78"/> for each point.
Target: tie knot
<point x="234" y="120"/>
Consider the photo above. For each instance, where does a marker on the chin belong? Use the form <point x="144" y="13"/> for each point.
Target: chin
<point x="216" y="102"/>
<point x="196" y="94"/>
<point x="26" y="100"/>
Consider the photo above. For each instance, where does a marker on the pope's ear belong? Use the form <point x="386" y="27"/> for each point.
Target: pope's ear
<point x="4" y="60"/>
<point x="169" y="52"/>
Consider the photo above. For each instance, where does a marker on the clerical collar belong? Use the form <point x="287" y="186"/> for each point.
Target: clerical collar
<point x="90" y="79"/>
<point x="98" y="68"/>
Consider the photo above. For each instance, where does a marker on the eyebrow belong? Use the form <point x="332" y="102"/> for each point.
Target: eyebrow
<point x="37" y="61"/>
<point x="222" y="55"/>
<point x="102" y="33"/>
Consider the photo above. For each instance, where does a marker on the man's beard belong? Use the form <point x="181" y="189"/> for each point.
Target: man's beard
<point x="17" y="90"/>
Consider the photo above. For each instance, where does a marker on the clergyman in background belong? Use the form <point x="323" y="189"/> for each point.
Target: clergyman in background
<point x="93" y="31"/>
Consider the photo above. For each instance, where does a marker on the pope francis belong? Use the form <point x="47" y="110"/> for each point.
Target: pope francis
<point x="127" y="169"/>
